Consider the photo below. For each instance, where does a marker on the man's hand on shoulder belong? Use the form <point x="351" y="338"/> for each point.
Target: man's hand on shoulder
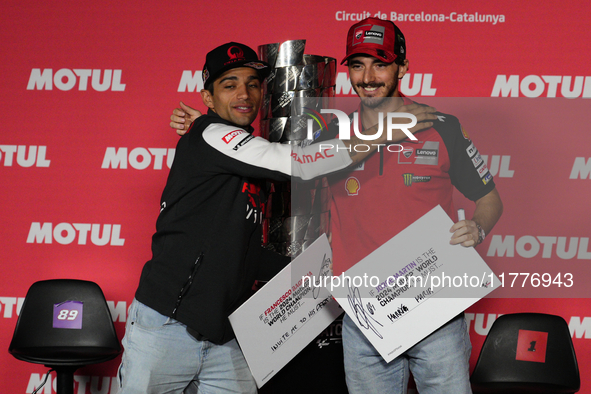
<point x="425" y="116"/>
<point x="182" y="118"/>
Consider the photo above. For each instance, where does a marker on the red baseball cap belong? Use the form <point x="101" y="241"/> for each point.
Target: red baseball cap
<point x="378" y="38"/>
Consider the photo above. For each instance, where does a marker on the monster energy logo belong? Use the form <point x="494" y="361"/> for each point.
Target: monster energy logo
<point x="409" y="179"/>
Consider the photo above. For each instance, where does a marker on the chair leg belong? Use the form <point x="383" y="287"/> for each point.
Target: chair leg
<point x="65" y="379"/>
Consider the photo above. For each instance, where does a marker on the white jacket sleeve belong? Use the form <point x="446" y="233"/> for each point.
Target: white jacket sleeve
<point x="248" y="154"/>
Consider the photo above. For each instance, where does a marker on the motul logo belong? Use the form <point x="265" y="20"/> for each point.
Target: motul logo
<point x="191" y="81"/>
<point x="138" y="158"/>
<point x="82" y="384"/>
<point x="542" y="86"/>
<point x="26" y="156"/>
<point x="546" y="247"/>
<point x="581" y="168"/>
<point x="231" y="135"/>
<point x="65" y="79"/>
<point x="81" y="233"/>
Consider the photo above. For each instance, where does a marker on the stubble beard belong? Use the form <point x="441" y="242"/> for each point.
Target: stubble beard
<point x="376" y="102"/>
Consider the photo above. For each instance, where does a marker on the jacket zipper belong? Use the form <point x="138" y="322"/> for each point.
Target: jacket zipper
<point x="187" y="284"/>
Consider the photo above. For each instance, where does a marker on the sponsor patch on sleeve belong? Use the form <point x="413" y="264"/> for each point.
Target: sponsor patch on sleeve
<point x="471" y="150"/>
<point x="243" y="142"/>
<point x="476" y="160"/>
<point x="482" y="170"/>
<point x="233" y="134"/>
<point x="487" y="178"/>
<point x="464" y="133"/>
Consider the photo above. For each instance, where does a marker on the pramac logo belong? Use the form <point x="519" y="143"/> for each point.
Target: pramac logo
<point x="352" y="186"/>
<point x="235" y="53"/>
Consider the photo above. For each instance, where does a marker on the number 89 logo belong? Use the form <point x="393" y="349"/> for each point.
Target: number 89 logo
<point x="66" y="314"/>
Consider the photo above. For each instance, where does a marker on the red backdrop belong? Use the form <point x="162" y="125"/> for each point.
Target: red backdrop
<point x="87" y="90"/>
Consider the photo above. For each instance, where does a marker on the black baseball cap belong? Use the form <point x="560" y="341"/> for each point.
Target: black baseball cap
<point x="229" y="56"/>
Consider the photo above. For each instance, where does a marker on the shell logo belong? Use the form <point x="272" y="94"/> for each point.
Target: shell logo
<point x="352" y="186"/>
<point x="465" y="133"/>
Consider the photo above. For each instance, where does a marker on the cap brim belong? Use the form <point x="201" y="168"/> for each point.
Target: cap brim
<point x="264" y="69"/>
<point x="370" y="52"/>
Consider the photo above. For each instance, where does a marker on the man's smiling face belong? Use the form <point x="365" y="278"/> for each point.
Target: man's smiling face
<point x="373" y="80"/>
<point x="236" y="96"/>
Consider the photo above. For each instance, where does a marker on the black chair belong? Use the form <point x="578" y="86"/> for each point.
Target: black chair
<point x="527" y="353"/>
<point x="65" y="324"/>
